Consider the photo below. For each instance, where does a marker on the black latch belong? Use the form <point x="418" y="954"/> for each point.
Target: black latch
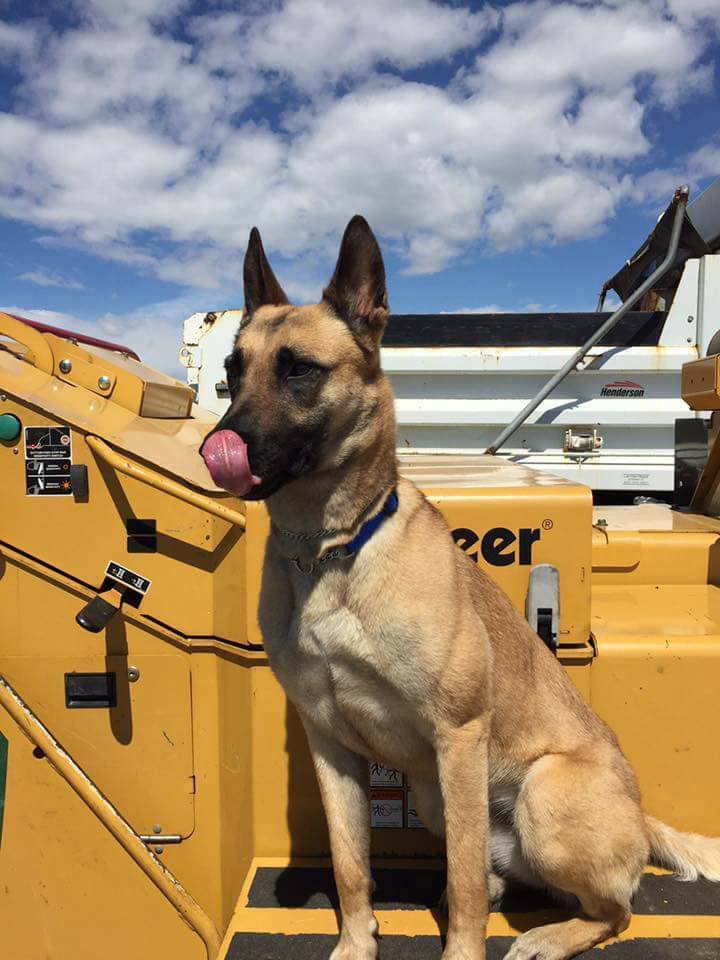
<point x="90" y="690"/>
<point x="96" y="615"/>
<point x="79" y="482"/>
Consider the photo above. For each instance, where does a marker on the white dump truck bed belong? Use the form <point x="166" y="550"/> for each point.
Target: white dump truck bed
<point x="459" y="379"/>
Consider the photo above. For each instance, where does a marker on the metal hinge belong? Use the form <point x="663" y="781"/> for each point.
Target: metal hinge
<point x="542" y="607"/>
<point x="582" y="440"/>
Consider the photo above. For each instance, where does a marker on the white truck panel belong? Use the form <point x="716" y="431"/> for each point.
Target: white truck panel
<point x="454" y="399"/>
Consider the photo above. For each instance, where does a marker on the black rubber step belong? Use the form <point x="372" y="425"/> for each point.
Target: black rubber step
<point x="276" y="946"/>
<point x="412" y="889"/>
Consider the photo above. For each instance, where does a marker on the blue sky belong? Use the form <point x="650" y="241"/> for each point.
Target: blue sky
<point x="509" y="156"/>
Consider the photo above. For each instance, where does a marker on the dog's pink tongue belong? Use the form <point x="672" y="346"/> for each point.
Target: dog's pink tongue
<point x="226" y="457"/>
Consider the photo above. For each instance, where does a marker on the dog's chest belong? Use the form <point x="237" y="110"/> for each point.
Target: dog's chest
<point x="350" y="677"/>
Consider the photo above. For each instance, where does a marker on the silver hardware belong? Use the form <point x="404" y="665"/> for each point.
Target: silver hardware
<point x="542" y="606"/>
<point x="104" y="382"/>
<point x="586" y="441"/>
<point x="168" y="839"/>
<point x="133" y="674"/>
<point x="157" y="828"/>
<point x="3" y="397"/>
<point x="602" y="522"/>
<point x="158" y="850"/>
<point x="65" y="366"/>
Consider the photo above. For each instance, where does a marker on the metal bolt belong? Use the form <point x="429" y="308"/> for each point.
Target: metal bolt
<point x="157" y="828"/>
<point x="158" y="850"/>
<point x="601" y="522"/>
<point x="104" y="382"/>
<point x="690" y="319"/>
<point x="133" y="674"/>
<point x="3" y="397"/>
<point x="689" y="339"/>
<point x="65" y="366"/>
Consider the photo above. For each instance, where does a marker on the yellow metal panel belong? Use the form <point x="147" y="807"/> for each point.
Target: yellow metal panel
<point x="171" y="445"/>
<point x="548" y="520"/>
<point x="656" y="681"/>
<point x="69" y="891"/>
<point x="700" y="385"/>
<point x="82" y="538"/>
<point x="140" y="752"/>
<point x="131" y="384"/>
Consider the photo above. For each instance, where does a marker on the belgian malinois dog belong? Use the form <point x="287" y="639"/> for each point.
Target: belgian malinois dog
<point x="429" y="668"/>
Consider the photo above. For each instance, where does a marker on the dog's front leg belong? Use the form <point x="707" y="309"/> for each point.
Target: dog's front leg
<point x="342" y="776"/>
<point x="463" y="768"/>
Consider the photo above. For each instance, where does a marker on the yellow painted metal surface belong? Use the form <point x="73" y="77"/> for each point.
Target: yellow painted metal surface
<point x="204" y="744"/>
<point x="700" y="384"/>
<point x="149" y="731"/>
<point x="69" y="891"/>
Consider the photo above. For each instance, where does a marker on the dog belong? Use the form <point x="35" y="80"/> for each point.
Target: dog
<point x="443" y="679"/>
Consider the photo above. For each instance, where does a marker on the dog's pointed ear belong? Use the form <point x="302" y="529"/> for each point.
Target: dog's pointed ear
<point x="357" y="291"/>
<point x="261" y="284"/>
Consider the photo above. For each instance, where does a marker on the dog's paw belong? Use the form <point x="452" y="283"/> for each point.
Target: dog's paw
<point x="460" y="951"/>
<point x="352" y="950"/>
<point x="536" y="945"/>
<point x="362" y="945"/>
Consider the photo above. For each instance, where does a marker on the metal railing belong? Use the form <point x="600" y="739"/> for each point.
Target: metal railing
<point x="681" y="195"/>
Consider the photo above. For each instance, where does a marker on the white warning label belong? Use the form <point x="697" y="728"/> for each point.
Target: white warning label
<point x="386" y="808"/>
<point x="382" y="776"/>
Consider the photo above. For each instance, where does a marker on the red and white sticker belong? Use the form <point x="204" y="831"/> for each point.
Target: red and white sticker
<point x="386" y="808"/>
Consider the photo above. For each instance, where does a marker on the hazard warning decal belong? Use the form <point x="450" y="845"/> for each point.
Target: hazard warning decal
<point x="48" y="459"/>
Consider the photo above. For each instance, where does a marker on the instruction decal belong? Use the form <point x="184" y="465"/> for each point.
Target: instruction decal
<point x="48" y="459"/>
<point x="121" y="574"/>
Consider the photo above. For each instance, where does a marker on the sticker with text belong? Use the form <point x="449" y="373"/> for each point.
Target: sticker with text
<point x="386" y="808"/>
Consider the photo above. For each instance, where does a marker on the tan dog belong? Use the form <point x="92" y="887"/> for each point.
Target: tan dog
<point x="444" y="680"/>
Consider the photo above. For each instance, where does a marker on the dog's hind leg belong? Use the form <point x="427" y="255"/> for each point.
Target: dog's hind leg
<point x="582" y="831"/>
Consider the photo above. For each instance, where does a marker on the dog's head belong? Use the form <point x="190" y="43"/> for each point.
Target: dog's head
<point x="305" y="382"/>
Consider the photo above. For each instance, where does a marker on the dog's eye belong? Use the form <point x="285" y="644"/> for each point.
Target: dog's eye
<point x="300" y="369"/>
<point x="233" y="371"/>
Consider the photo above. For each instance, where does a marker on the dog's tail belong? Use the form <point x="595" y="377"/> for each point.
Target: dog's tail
<point x="689" y="855"/>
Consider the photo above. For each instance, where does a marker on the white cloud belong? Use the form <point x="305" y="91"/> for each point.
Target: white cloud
<point x="316" y="42"/>
<point x="153" y="331"/>
<point x="705" y="162"/>
<point x="48" y="278"/>
<point x="161" y="153"/>
<point x="496" y="308"/>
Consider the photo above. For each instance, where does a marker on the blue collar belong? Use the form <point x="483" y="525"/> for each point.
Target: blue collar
<point x="354" y="546"/>
<point x="372" y="525"/>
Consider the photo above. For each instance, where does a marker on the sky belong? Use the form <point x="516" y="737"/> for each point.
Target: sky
<point x="509" y="156"/>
